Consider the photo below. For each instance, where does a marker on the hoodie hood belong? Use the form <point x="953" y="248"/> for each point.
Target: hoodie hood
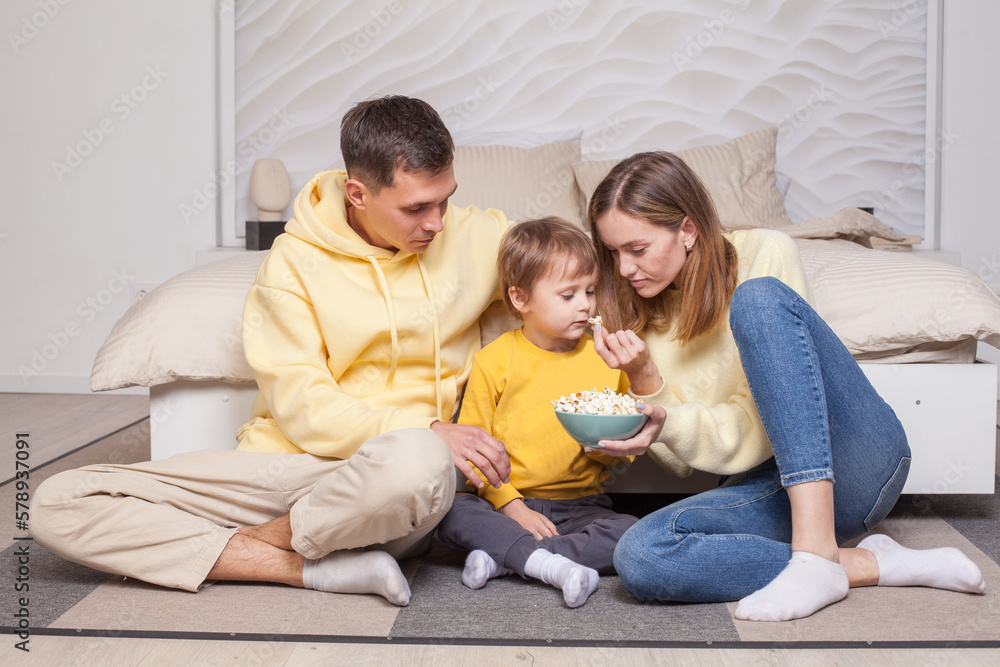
<point x="321" y="219"/>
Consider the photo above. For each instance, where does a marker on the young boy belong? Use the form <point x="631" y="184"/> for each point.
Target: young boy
<point x="552" y="521"/>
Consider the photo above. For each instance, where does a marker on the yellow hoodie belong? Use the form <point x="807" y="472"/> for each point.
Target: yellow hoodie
<point x="348" y="341"/>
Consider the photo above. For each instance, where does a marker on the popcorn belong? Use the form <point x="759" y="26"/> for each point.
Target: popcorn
<point x="595" y="320"/>
<point x="607" y="402"/>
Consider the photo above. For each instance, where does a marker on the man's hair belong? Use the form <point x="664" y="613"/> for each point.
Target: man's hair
<point x="661" y="189"/>
<point x="379" y="136"/>
<point x="533" y="249"/>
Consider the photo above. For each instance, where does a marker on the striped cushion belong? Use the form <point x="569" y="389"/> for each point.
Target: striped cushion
<point x="878" y="301"/>
<point x="521" y="182"/>
<point x="739" y="175"/>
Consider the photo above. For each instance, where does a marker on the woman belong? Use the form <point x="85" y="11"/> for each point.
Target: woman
<point x="742" y="378"/>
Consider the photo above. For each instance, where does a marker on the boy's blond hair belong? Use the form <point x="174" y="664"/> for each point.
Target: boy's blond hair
<point x="533" y="249"/>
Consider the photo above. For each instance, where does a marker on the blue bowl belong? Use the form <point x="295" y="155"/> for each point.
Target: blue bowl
<point x="589" y="429"/>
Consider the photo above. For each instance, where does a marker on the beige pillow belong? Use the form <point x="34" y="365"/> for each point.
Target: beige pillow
<point x="188" y="327"/>
<point x="882" y="302"/>
<point x="739" y="175"/>
<point x="521" y="182"/>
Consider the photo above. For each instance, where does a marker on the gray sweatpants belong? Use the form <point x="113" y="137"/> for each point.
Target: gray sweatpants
<point x="588" y="530"/>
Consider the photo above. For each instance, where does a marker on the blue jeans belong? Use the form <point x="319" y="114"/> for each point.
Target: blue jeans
<point x="824" y="421"/>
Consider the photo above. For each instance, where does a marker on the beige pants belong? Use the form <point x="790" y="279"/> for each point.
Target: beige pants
<point x="167" y="522"/>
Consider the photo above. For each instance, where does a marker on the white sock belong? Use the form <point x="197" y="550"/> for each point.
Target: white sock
<point x="807" y="584"/>
<point x="576" y="581"/>
<point x="944" y="567"/>
<point x="480" y="568"/>
<point x="358" y="572"/>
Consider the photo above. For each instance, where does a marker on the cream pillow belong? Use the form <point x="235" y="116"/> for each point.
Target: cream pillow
<point x="739" y="175"/>
<point x="880" y="302"/>
<point x="189" y="327"/>
<point x="521" y="182"/>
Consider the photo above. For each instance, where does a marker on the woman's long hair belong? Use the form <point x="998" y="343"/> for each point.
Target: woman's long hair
<point x="660" y="188"/>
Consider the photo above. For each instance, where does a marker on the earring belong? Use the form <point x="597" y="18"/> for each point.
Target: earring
<point x="687" y="248"/>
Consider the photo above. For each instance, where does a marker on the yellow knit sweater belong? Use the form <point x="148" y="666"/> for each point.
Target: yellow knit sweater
<point x="509" y="394"/>
<point x="712" y="423"/>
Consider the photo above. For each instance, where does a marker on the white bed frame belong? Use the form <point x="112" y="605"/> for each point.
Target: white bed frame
<point x="948" y="410"/>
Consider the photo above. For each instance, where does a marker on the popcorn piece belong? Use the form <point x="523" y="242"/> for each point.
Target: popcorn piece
<point x="607" y="402"/>
<point x="595" y="320"/>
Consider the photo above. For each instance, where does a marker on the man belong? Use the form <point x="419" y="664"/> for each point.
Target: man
<point x="370" y="305"/>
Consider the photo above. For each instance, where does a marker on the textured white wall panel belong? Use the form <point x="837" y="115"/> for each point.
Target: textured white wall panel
<point x="843" y="79"/>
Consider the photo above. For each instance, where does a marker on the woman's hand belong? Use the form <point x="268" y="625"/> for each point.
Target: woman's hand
<point x="640" y="442"/>
<point x="627" y="352"/>
<point x="535" y="523"/>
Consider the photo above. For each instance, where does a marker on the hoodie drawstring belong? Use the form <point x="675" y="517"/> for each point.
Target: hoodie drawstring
<point x="394" y="333"/>
<point x="392" y="322"/>
<point x="438" y="389"/>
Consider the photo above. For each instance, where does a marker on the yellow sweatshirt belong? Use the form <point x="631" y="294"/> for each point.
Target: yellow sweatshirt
<point x="347" y="340"/>
<point x="712" y="423"/>
<point x="508" y="396"/>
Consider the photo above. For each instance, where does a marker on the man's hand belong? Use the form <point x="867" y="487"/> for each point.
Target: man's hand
<point x="535" y="523"/>
<point x="627" y="352"/>
<point x="471" y="444"/>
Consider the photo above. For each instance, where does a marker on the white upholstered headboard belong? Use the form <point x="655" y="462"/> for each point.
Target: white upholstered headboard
<point x="846" y="83"/>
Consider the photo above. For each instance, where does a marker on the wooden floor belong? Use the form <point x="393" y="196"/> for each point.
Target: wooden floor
<point x="59" y="424"/>
<point x="73" y="651"/>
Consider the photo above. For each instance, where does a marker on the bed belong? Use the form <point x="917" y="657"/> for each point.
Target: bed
<point x="913" y="323"/>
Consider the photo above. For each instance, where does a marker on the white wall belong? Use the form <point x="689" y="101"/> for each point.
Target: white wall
<point x="76" y="239"/>
<point x="843" y="80"/>
<point x="970" y="146"/>
<point x="72" y="237"/>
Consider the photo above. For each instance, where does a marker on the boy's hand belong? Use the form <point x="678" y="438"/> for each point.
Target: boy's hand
<point x="533" y="522"/>
<point x="471" y="445"/>
<point x="625" y="351"/>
